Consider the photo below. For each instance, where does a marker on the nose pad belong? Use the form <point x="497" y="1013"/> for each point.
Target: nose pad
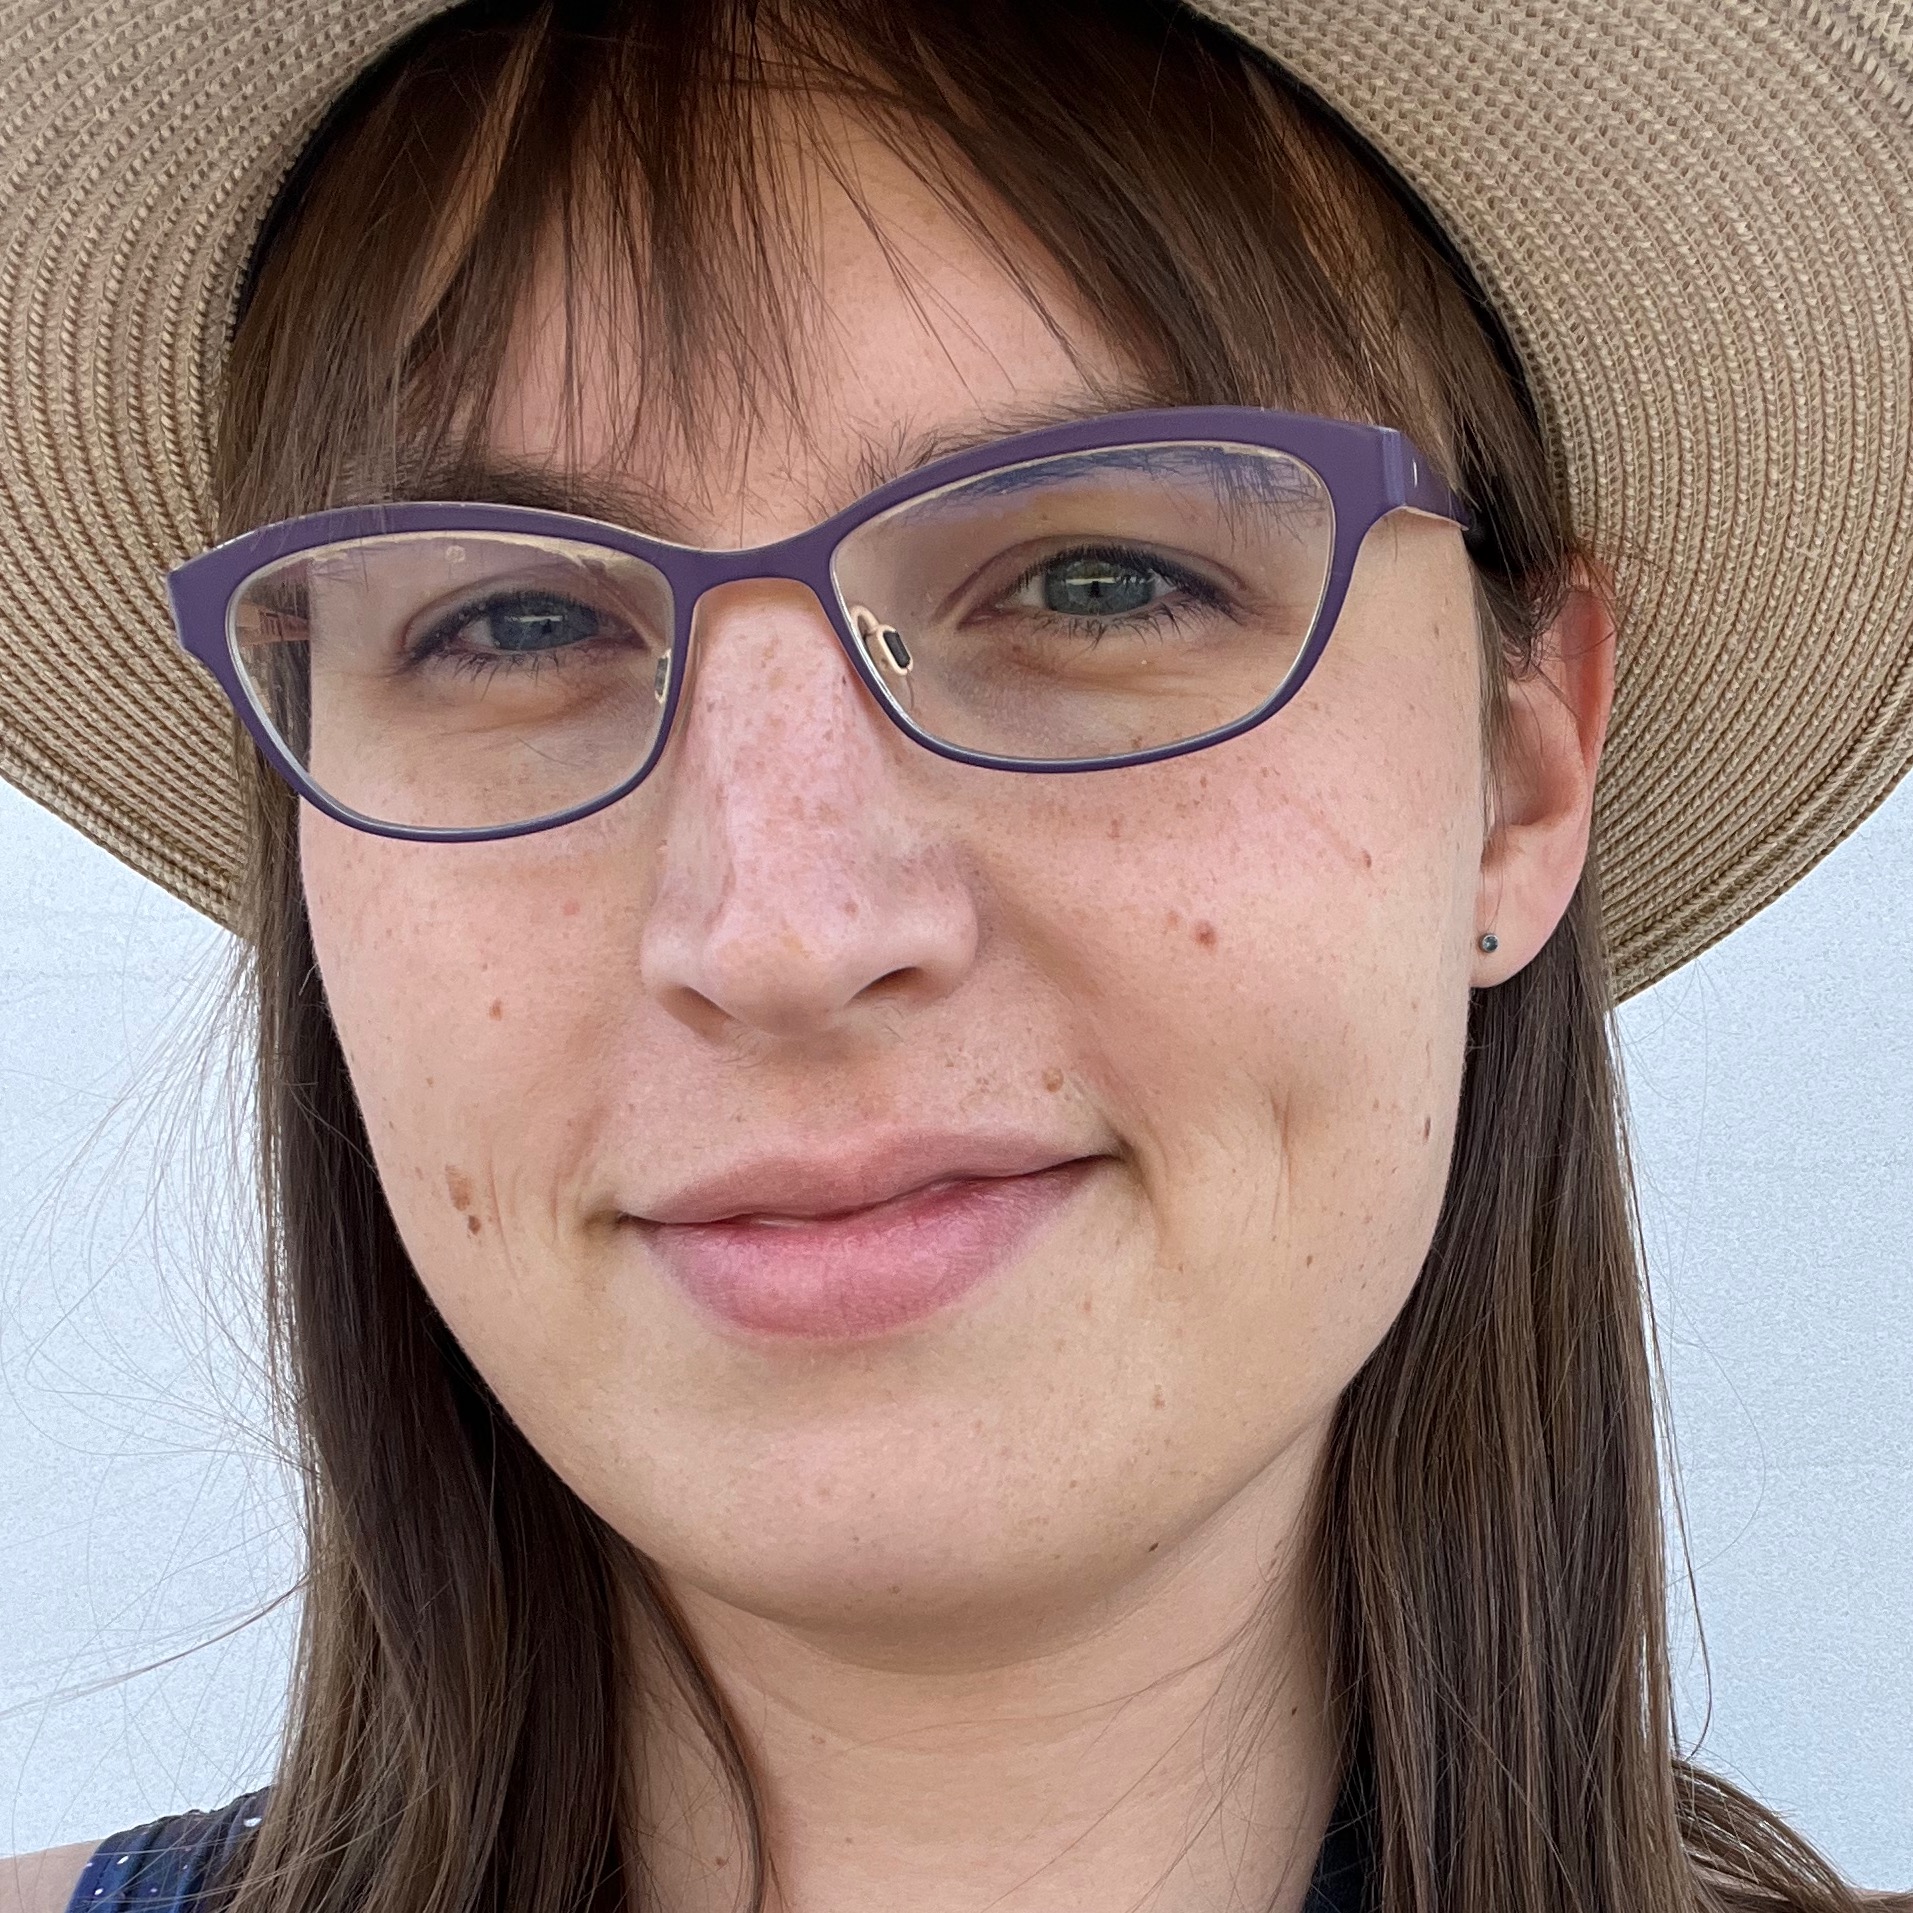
<point x="728" y="611"/>
<point x="876" y="636"/>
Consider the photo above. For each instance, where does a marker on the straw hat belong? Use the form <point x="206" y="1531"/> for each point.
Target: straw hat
<point x="1695" y="218"/>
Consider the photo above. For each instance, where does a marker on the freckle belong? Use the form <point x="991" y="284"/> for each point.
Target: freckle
<point x="1368" y="860"/>
<point x="1308" y="1262"/>
<point x="1089" y="1305"/>
<point x="1059" y="1350"/>
<point x="1173" y="921"/>
<point x="497" y="1010"/>
<point x="1158" y="1402"/>
<point x="1205" y="933"/>
<point x="572" y="906"/>
<point x="1153" y="1546"/>
<point x="458" y="1186"/>
<point x="1052" y="1080"/>
<point x="473" y="1226"/>
<point x="1427" y="1127"/>
<point x="1115" y="828"/>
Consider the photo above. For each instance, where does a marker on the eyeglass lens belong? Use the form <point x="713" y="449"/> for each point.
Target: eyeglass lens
<point x="1090" y="606"/>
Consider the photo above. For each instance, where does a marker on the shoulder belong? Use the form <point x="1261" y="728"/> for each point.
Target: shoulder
<point x="41" y="1882"/>
<point x="160" y="1867"/>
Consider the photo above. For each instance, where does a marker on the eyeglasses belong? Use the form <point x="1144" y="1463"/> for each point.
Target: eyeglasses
<point x="1090" y="595"/>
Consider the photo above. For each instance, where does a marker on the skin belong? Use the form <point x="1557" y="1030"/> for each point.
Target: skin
<point x="1010" y="1603"/>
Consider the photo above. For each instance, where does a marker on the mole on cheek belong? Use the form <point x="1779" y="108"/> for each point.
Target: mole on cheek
<point x="1052" y="1080"/>
<point x="1205" y="933"/>
<point x="497" y="1010"/>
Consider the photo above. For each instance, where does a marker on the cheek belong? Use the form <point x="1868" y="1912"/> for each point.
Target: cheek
<point x="468" y="1035"/>
<point x="1269" y="943"/>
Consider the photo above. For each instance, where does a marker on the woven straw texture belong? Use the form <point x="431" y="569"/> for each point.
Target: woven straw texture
<point x="1695" y="216"/>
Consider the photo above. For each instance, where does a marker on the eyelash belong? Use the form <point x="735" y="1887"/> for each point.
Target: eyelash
<point x="477" y="669"/>
<point x="1167" y="612"/>
<point x="435" y="647"/>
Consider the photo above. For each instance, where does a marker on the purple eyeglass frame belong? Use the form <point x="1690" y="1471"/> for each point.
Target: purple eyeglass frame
<point x="1369" y="470"/>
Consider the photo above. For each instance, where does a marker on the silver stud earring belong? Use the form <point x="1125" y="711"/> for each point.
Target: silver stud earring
<point x="1490" y="943"/>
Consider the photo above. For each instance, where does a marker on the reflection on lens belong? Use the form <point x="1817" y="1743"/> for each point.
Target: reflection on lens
<point x="1094" y="604"/>
<point x="458" y="681"/>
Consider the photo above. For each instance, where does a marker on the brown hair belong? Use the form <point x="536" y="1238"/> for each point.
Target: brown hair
<point x="1490" y="1539"/>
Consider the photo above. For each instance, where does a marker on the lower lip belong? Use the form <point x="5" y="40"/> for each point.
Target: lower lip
<point x="848" y="1277"/>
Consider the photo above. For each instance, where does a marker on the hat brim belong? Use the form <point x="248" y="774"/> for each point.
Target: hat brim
<point x="1693" y="217"/>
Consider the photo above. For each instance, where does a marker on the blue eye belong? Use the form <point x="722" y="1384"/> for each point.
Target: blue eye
<point x="1094" y="586"/>
<point x="1105" y="588"/>
<point x="523" y="622"/>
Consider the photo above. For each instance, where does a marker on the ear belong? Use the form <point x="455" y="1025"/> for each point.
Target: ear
<point x="1543" y="793"/>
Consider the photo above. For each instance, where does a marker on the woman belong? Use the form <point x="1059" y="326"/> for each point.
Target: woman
<point x="922" y="689"/>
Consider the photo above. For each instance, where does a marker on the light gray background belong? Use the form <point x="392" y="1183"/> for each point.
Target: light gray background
<point x="143" y="1516"/>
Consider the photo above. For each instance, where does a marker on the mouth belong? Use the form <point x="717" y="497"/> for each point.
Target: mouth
<point x="831" y="1270"/>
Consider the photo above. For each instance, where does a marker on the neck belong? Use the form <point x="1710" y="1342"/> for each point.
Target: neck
<point x="1163" y="1745"/>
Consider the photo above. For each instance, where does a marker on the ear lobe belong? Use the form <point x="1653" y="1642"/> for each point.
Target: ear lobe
<point x="1543" y="789"/>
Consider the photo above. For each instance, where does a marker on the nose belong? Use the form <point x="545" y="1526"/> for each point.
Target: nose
<point x="800" y="890"/>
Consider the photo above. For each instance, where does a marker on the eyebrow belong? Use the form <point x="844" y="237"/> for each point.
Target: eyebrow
<point x="624" y="500"/>
<point x="912" y="449"/>
<point x="612" y="498"/>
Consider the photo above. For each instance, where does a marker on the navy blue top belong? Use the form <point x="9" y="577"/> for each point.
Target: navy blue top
<point x="163" y="1866"/>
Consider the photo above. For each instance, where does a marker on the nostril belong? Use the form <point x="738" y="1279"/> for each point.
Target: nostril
<point x="696" y="1011"/>
<point x="774" y="956"/>
<point x="906" y="981"/>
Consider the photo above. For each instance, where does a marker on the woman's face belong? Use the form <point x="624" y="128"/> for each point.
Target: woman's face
<point x="1169" y="1055"/>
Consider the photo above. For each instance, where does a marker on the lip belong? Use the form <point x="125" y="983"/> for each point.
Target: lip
<point x="844" y="1250"/>
<point x="797" y="1185"/>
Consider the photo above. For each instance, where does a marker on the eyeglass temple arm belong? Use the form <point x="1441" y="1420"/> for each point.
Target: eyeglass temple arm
<point x="1410" y="480"/>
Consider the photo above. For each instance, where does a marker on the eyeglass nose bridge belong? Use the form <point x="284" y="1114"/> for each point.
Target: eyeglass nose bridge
<point x="877" y="651"/>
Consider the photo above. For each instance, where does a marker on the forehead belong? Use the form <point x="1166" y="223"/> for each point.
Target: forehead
<point x="893" y="331"/>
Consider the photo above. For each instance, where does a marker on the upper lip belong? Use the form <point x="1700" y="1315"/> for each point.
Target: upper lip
<point x="816" y="1184"/>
